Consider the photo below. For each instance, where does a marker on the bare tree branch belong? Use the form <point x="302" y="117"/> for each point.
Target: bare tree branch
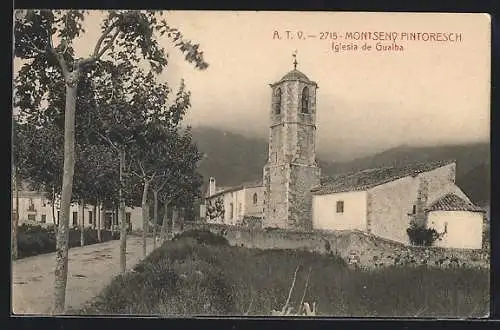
<point x="108" y="45"/>
<point x="107" y="139"/>
<point x="97" y="50"/>
<point x="142" y="168"/>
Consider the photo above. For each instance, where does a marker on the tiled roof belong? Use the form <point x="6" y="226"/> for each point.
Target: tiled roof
<point x="236" y="188"/>
<point x="452" y="202"/>
<point x="366" y="179"/>
<point x="295" y="75"/>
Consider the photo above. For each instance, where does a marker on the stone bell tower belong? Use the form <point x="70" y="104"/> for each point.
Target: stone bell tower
<point x="291" y="170"/>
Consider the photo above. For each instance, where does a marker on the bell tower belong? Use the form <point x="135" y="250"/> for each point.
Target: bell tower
<point x="291" y="170"/>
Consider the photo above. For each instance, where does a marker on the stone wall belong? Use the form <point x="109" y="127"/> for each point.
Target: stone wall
<point x="302" y="180"/>
<point x="358" y="248"/>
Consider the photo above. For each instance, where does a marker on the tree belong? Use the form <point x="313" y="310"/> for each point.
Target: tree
<point x="127" y="36"/>
<point x="178" y="179"/>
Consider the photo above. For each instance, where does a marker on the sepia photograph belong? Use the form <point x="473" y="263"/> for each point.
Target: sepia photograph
<point x="250" y="163"/>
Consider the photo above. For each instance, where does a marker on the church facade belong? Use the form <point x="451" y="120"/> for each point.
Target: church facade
<point x="383" y="202"/>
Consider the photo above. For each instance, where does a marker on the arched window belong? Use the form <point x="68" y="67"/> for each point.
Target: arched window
<point x="277" y="101"/>
<point x="305" y="100"/>
<point x="255" y="198"/>
<point x="232" y="211"/>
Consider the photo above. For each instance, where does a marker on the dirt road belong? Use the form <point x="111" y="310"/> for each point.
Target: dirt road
<point x="90" y="269"/>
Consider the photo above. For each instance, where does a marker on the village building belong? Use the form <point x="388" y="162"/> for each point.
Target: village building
<point x="36" y="208"/>
<point x="382" y="201"/>
<point x="233" y="205"/>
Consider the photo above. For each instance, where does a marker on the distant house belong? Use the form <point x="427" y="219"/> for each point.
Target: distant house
<point x="35" y="208"/>
<point x="230" y="205"/>
<point x="385" y="201"/>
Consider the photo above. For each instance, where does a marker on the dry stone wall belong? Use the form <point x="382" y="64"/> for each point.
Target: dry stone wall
<point x="357" y="248"/>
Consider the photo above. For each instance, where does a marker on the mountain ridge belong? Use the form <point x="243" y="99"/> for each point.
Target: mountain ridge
<point x="233" y="158"/>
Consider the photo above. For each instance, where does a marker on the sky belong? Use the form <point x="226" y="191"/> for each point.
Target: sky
<point x="431" y="92"/>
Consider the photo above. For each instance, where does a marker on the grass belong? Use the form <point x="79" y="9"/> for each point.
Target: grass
<point x="187" y="276"/>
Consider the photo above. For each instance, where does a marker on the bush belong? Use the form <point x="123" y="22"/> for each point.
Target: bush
<point x="35" y="239"/>
<point x="186" y="278"/>
<point x="422" y="236"/>
<point x="203" y="237"/>
<point x="179" y="278"/>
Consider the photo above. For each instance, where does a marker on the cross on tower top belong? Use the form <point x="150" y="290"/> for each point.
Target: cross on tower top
<point x="295" y="60"/>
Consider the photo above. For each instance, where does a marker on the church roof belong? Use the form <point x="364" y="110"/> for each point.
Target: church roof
<point x="452" y="202"/>
<point x="366" y="179"/>
<point x="295" y="75"/>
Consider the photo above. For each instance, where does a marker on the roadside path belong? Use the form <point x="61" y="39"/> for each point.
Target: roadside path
<point x="90" y="269"/>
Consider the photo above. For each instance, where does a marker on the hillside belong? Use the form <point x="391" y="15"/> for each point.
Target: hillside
<point x="233" y="158"/>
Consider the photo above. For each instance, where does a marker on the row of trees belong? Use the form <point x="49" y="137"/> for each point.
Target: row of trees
<point x="101" y="129"/>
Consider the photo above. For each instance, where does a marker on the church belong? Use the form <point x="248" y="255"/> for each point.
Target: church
<point x="294" y="195"/>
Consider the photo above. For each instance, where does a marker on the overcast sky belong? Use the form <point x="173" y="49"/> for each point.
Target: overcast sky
<point x="430" y="93"/>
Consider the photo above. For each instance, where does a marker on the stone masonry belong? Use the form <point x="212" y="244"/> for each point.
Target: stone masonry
<point x="291" y="170"/>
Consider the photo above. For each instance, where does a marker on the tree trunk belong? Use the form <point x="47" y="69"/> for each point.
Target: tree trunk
<point x="94" y="214"/>
<point x="175" y="214"/>
<point x="121" y="214"/>
<point x="181" y="218"/>
<point x="61" y="269"/>
<point x="54" y="206"/>
<point x="155" y="217"/>
<point x="99" y="223"/>
<point x="145" y="216"/>
<point x="82" y="223"/>
<point x="164" y="223"/>
<point x="15" y="216"/>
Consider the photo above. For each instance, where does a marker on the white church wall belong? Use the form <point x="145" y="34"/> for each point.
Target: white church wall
<point x="253" y="207"/>
<point x="464" y="229"/>
<point x="353" y="215"/>
<point x="390" y="206"/>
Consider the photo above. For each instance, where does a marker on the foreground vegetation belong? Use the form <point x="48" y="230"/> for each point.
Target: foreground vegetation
<point x="34" y="239"/>
<point x="199" y="273"/>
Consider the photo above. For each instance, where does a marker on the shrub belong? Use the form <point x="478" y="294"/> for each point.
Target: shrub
<point x="185" y="277"/>
<point x="178" y="278"/>
<point x="423" y="236"/>
<point x="35" y="239"/>
<point x="252" y="222"/>
<point x="203" y="237"/>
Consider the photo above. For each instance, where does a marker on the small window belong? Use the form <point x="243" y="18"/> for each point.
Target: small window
<point x="31" y="206"/>
<point x="231" y="210"/>
<point x="305" y="100"/>
<point x="43" y="219"/>
<point x="75" y="219"/>
<point x="277" y="101"/>
<point x="127" y="217"/>
<point x="31" y="217"/>
<point x="90" y="217"/>
<point x="255" y="198"/>
<point x="414" y="209"/>
<point x="340" y="207"/>
<point x="58" y="213"/>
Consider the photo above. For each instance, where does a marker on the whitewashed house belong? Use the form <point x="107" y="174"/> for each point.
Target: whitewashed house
<point x="36" y="208"/>
<point x="230" y="205"/>
<point x="384" y="201"/>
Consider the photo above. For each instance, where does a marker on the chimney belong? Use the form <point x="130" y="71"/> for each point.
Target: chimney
<point x="211" y="186"/>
